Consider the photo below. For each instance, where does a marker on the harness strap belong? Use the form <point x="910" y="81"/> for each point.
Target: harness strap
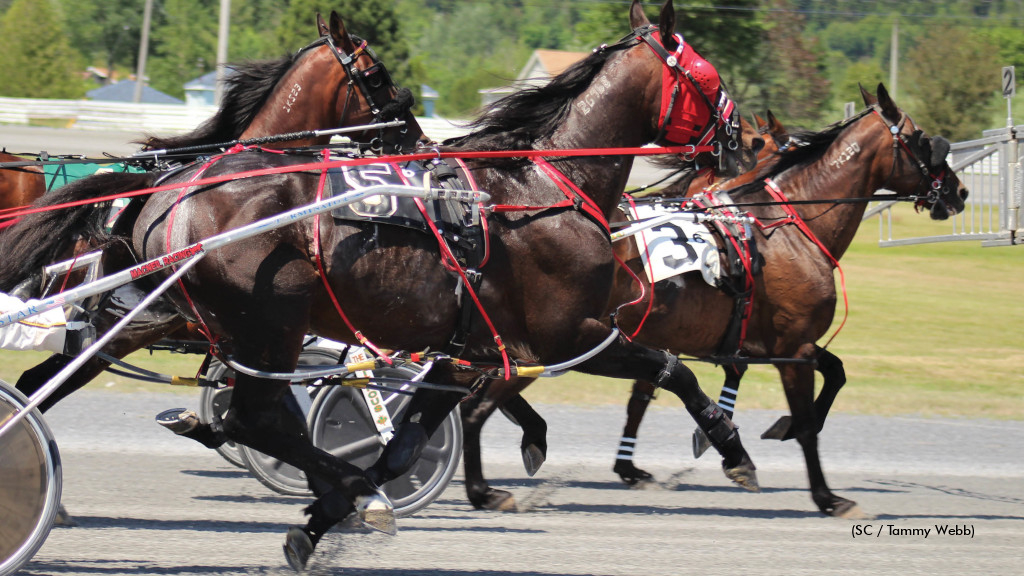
<point x="736" y="332"/>
<point x="317" y="250"/>
<point x="792" y="216"/>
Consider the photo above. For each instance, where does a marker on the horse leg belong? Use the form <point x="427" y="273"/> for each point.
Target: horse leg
<point x="475" y="410"/>
<point x="426" y="412"/>
<point x="798" y="382"/>
<point x="727" y="400"/>
<point x="639" y="399"/>
<point x="834" y="377"/>
<point x="630" y="360"/>
<point x="534" y="445"/>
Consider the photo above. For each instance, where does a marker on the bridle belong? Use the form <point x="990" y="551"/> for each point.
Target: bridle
<point x="724" y="124"/>
<point x="367" y="82"/>
<point x="935" y="182"/>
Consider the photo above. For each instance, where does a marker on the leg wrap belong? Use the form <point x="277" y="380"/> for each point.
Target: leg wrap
<point x="713" y="422"/>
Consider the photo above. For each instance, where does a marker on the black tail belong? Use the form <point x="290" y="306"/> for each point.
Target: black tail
<point x="46" y="237"/>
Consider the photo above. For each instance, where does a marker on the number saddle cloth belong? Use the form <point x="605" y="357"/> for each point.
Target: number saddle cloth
<point x="457" y="222"/>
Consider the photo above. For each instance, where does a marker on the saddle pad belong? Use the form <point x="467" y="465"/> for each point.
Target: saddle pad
<point x="676" y="247"/>
<point x="394" y="210"/>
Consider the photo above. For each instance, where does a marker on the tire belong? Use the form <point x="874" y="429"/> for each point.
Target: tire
<point x="216" y="401"/>
<point x="342" y="425"/>
<point x="271" y="472"/>
<point x="30" y="483"/>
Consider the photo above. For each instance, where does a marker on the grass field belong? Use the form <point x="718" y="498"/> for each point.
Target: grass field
<point x="933" y="330"/>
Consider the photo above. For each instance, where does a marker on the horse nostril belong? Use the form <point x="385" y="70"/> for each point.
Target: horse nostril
<point x="963" y="193"/>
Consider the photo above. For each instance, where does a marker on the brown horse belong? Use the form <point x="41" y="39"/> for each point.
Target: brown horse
<point x="809" y="201"/>
<point x="19" y="186"/>
<point x="263" y="296"/>
<point x="253" y="107"/>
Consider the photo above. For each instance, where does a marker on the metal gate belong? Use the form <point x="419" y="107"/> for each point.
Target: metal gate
<point x="991" y="169"/>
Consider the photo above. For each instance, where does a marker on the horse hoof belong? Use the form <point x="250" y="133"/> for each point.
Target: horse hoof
<point x="849" y="510"/>
<point x="63" y="518"/>
<point x="779" y="430"/>
<point x="700" y="443"/>
<point x="178" y="420"/>
<point x="297" y="548"/>
<point x="630" y="474"/>
<point x="496" y="500"/>
<point x="533" y="458"/>
<point x="377" y="513"/>
<point x="744" y="475"/>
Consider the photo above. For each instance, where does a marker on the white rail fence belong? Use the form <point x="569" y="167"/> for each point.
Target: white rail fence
<point x="152" y="118"/>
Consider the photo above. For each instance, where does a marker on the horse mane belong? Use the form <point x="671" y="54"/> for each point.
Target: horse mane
<point x="44" y="237"/>
<point x="246" y="91"/>
<point x="518" y="120"/>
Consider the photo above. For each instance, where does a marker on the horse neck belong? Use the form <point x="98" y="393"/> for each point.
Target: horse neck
<point x="606" y="115"/>
<point x="305" y="98"/>
<point x="856" y="165"/>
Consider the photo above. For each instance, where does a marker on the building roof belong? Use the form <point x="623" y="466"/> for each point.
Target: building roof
<point x="549" y="63"/>
<point x="124" y="91"/>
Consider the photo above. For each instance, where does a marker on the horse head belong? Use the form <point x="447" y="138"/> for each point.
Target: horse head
<point x="920" y="161"/>
<point x="696" y="108"/>
<point x="372" y="97"/>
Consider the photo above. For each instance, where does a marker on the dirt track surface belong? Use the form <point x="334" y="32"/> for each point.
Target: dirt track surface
<point x="149" y="503"/>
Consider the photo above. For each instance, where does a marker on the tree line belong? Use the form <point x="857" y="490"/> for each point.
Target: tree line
<point x="800" y="58"/>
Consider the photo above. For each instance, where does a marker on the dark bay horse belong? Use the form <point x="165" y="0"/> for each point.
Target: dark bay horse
<point x="544" y="289"/>
<point x="809" y="201"/>
<point x="261" y="101"/>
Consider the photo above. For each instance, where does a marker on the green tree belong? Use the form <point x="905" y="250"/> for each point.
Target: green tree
<point x="106" y="33"/>
<point x="953" y="79"/>
<point x="38" y="59"/>
<point x="376" y="21"/>
<point x="796" y="85"/>
<point x="184" y="44"/>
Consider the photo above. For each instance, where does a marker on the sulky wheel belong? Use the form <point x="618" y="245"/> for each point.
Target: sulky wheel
<point x="30" y="483"/>
<point x="271" y="472"/>
<point x="215" y="401"/>
<point x="342" y="424"/>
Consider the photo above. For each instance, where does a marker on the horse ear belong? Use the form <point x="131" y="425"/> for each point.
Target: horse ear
<point x="340" y="35"/>
<point x="667" y="26"/>
<point x="940" y="149"/>
<point x="321" y="26"/>
<point x="761" y="122"/>
<point x="869" y="98"/>
<point x="889" y="108"/>
<point x="637" y="18"/>
<point x="777" y="130"/>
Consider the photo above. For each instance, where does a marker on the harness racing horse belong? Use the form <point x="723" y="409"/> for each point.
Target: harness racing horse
<point x="252" y="108"/>
<point x="261" y="298"/>
<point x="809" y="199"/>
<point x="642" y="393"/>
<point x="808" y="204"/>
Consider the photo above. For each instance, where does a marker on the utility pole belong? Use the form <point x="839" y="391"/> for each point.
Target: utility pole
<point x="894" y="55"/>
<point x="140" y="72"/>
<point x="222" y="49"/>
